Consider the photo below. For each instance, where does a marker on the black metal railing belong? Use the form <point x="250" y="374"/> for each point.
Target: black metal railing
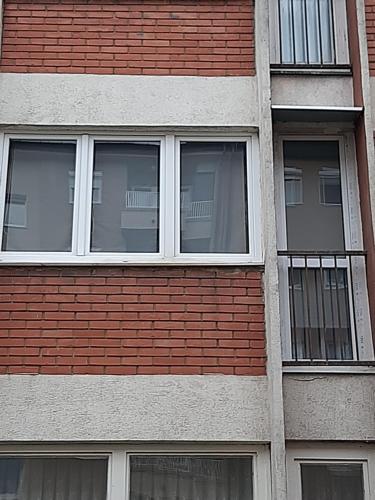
<point x="322" y="303"/>
<point x="306" y="32"/>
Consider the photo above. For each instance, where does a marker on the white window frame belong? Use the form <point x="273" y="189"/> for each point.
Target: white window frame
<point x="119" y="464"/>
<point x="341" y="42"/>
<point x="329" y="454"/>
<point x="169" y="237"/>
<point x="352" y="237"/>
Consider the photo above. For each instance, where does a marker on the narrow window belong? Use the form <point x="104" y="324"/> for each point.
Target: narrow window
<point x="307" y="32"/>
<point x="213" y="198"/>
<point x="125" y="197"/>
<point x="53" y="478"/>
<point x="332" y="482"/>
<point x="38" y="216"/>
<point x="191" y="478"/>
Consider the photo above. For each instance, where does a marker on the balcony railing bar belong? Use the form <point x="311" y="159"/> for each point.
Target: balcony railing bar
<point x="322" y="253"/>
<point x="322" y="302"/>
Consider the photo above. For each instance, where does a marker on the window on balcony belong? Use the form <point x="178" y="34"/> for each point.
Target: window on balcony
<point x="322" y="266"/>
<point x="309" y="33"/>
<point x="127" y="199"/>
<point x="332" y="481"/>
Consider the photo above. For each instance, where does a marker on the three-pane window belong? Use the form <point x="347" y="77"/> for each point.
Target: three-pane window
<point x="130" y="199"/>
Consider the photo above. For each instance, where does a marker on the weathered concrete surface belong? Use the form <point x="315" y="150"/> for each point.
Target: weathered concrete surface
<point x="134" y="408"/>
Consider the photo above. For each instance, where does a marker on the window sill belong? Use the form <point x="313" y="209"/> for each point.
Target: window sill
<point x="332" y="367"/>
<point x="311" y="70"/>
<point x="131" y="260"/>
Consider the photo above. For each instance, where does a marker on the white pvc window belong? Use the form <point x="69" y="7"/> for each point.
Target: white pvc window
<point x="130" y="199"/>
<point x="117" y="472"/>
<point x="338" y="472"/>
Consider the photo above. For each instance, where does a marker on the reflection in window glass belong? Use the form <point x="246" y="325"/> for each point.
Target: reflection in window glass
<point x="53" y="478"/>
<point x="293" y="186"/>
<point x="332" y="482"/>
<point x="125" y="207"/>
<point x="190" y="478"/>
<point x="213" y="197"/>
<point x="38" y="215"/>
<point x="330" y="186"/>
<point x="317" y="223"/>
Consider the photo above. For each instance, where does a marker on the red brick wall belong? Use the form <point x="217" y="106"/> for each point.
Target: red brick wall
<point x="370" y="25"/>
<point x="131" y="321"/>
<point x="149" y="37"/>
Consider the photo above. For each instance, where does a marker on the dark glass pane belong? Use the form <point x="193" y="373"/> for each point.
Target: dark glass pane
<point x="39" y="209"/>
<point x="125" y="197"/>
<point x="332" y="482"/>
<point x="53" y="478"/>
<point x="190" y="478"/>
<point x="213" y="197"/>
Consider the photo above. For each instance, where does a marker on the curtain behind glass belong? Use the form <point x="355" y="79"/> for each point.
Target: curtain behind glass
<point x="53" y="478"/>
<point x="306" y="32"/>
<point x="332" y="482"/>
<point x="191" y="478"/>
<point x="38" y="190"/>
<point x="213" y="197"/>
<point x="125" y="214"/>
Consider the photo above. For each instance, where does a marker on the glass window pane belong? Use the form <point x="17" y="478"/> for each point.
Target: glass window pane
<point x="332" y="482"/>
<point x="190" y="478"/>
<point x="38" y="213"/>
<point x="306" y="32"/>
<point x="213" y="197"/>
<point x="125" y="197"/>
<point x="53" y="478"/>
<point x="316" y="223"/>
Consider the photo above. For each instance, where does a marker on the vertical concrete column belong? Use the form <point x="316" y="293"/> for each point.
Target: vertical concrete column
<point x="364" y="133"/>
<point x="271" y="282"/>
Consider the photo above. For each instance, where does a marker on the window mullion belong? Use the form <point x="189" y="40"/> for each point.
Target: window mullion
<point x="4" y="155"/>
<point x="82" y="198"/>
<point x="169" y="198"/>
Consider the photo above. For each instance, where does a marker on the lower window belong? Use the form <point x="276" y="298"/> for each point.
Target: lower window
<point x="150" y="476"/>
<point x="334" y="481"/>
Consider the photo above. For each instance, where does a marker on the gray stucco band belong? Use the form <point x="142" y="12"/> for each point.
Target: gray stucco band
<point x="312" y="90"/>
<point x="101" y="100"/>
<point x="133" y="408"/>
<point x="329" y="407"/>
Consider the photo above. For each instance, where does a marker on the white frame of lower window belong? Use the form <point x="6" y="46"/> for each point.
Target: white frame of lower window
<point x="329" y="454"/>
<point x="352" y="235"/>
<point x="118" y="460"/>
<point x="168" y="211"/>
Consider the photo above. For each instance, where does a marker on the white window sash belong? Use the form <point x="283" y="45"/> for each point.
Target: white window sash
<point x="169" y="215"/>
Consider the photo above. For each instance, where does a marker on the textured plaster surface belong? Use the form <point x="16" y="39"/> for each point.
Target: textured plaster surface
<point x="312" y="90"/>
<point x="92" y="100"/>
<point x="138" y="408"/>
<point x="329" y="407"/>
